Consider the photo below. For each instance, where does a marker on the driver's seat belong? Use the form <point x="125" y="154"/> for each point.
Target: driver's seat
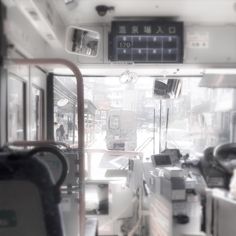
<point x="214" y="175"/>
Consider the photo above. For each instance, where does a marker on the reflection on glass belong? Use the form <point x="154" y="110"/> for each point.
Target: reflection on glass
<point x="37" y="113"/>
<point x="16" y="107"/>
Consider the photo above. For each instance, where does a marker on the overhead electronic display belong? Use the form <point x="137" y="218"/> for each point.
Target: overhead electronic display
<point x="146" y="41"/>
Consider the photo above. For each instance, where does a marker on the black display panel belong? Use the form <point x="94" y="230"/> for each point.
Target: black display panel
<point x="161" y="160"/>
<point x="146" y="42"/>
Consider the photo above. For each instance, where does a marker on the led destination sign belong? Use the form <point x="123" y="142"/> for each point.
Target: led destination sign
<point x="146" y="42"/>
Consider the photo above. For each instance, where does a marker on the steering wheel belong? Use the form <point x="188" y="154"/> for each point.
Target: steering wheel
<point x="59" y="155"/>
<point x="225" y="156"/>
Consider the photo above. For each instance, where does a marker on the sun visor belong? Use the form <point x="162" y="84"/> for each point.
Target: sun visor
<point x="218" y="81"/>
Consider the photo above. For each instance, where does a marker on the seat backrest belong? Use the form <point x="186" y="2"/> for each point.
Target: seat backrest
<point x="28" y="197"/>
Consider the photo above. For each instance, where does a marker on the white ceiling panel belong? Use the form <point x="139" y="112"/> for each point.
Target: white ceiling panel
<point x="189" y="11"/>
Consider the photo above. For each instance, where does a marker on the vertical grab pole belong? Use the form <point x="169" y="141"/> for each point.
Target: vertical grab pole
<point x="80" y="110"/>
<point x="160" y="125"/>
<point x="167" y="126"/>
<point x="154" y="130"/>
<point x="73" y="129"/>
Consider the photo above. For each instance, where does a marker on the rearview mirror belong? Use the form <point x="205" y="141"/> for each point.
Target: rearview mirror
<point x="82" y="41"/>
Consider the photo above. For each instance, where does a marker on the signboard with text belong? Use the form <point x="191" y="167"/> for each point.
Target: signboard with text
<point x="146" y="42"/>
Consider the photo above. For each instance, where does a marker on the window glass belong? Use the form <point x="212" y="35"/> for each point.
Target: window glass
<point x="16" y="108"/>
<point x="65" y="116"/>
<point x="129" y="117"/>
<point x="37" y="113"/>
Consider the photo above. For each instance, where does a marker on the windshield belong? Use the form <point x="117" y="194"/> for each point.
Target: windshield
<point x="125" y="115"/>
<point x="114" y="122"/>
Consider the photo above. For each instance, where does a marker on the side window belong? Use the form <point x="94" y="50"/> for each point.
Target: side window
<point x="16" y="109"/>
<point x="65" y="115"/>
<point x="37" y="113"/>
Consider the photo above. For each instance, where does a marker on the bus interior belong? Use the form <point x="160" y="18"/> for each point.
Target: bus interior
<point x="117" y="121"/>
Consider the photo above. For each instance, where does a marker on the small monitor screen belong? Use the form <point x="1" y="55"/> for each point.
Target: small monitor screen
<point x="146" y="41"/>
<point x="161" y="160"/>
